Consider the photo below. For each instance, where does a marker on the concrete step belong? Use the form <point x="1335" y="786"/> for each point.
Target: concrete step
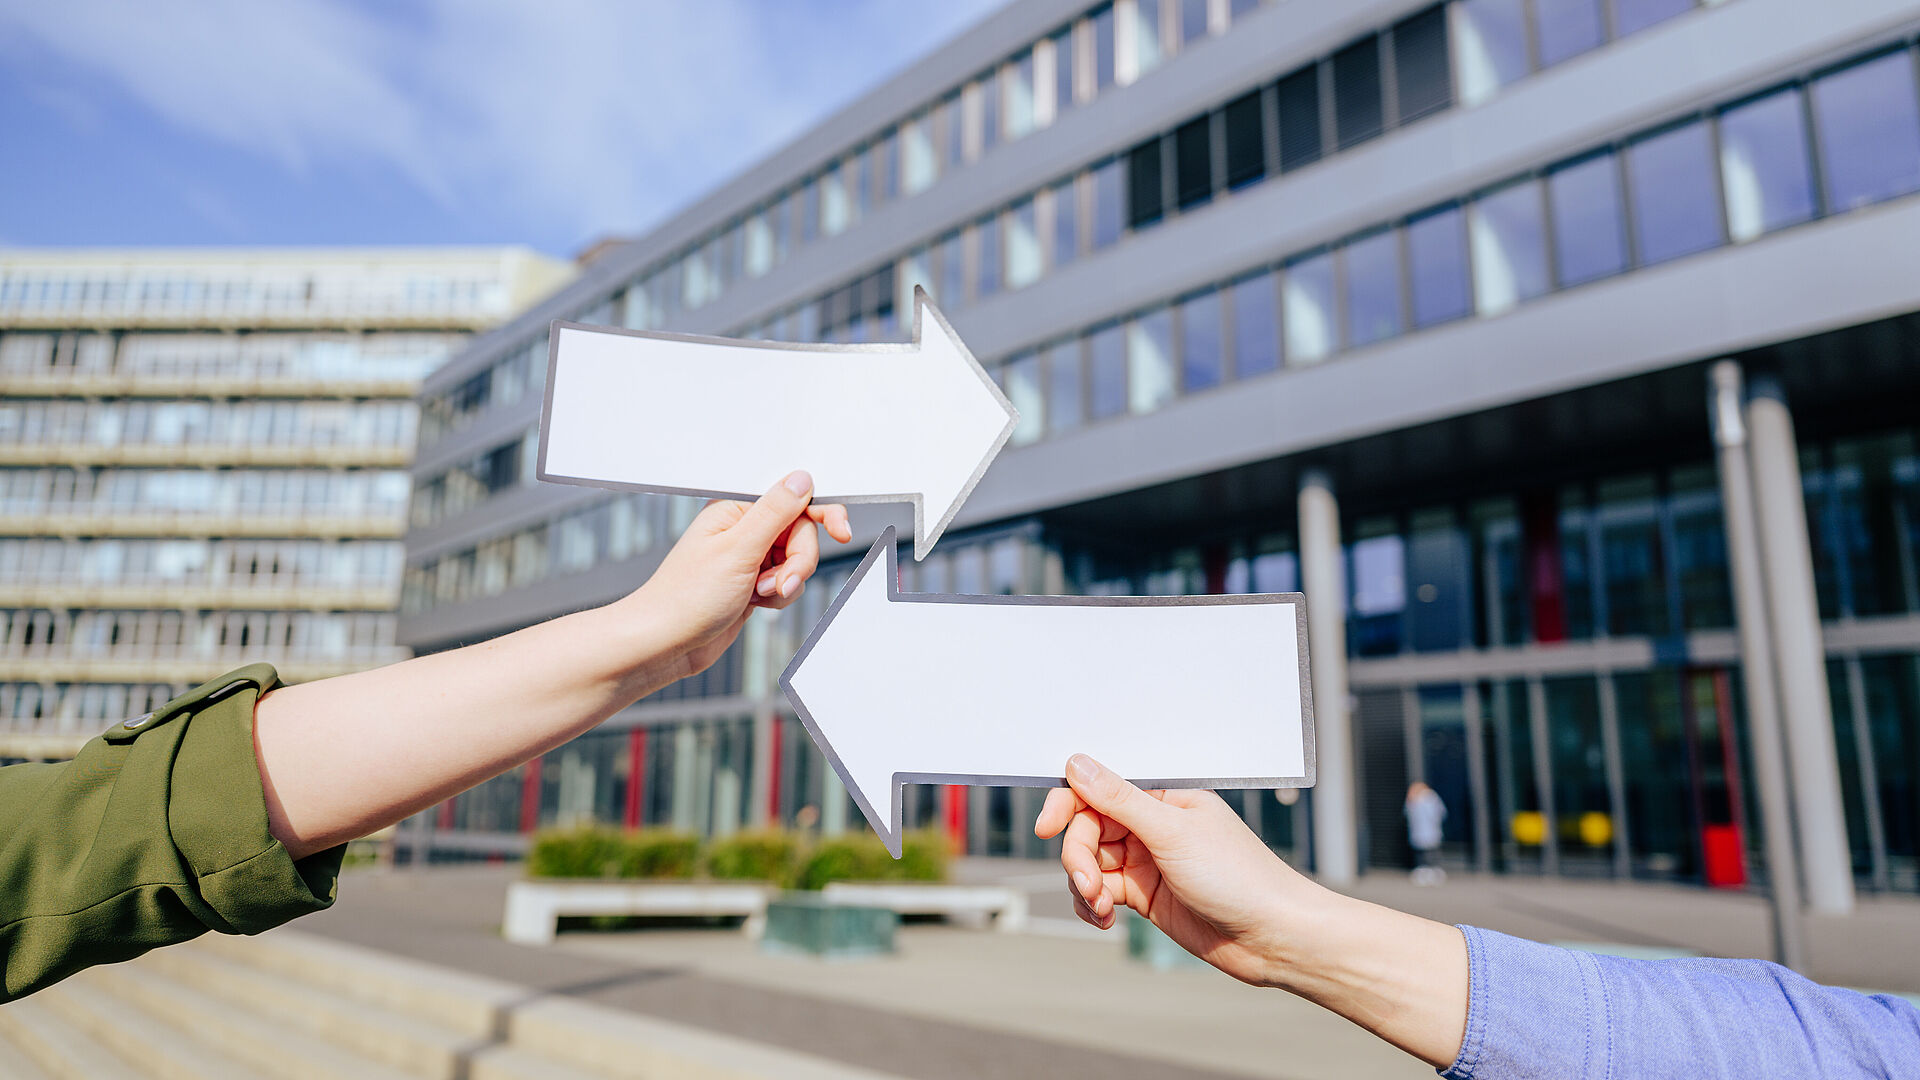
<point x="123" y="1027"/>
<point x="379" y="1033"/>
<point x="507" y="1063"/>
<point x="55" y="1047"/>
<point x="617" y="1043"/>
<point x="465" y="1003"/>
<point x="269" y="1047"/>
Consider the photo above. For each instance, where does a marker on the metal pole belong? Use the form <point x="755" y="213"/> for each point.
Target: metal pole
<point x="1756" y="660"/>
<point x="1335" y="850"/>
<point x="1800" y="659"/>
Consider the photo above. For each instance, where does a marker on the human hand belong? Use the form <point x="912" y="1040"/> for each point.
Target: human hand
<point x="733" y="558"/>
<point x="1183" y="859"/>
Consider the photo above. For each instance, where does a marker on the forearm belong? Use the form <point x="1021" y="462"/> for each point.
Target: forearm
<point x="1401" y="977"/>
<point x="345" y="756"/>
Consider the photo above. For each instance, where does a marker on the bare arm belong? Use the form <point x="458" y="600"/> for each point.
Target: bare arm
<point x="1186" y="861"/>
<point x="343" y="757"/>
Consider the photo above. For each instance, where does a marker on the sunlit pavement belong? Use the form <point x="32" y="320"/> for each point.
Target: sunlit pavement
<point x="1061" y="1001"/>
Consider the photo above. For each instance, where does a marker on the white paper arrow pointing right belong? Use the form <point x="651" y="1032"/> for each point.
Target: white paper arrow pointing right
<point x="1175" y="691"/>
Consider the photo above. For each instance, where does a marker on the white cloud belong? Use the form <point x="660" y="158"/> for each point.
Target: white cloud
<point x="575" y="116"/>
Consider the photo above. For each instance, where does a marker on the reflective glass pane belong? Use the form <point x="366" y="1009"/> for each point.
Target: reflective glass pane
<point x="1102" y="49"/>
<point x="990" y="118"/>
<point x="1676" y="209"/>
<point x="1146" y="36"/>
<point x="1019" y="91"/>
<point x="1868" y="123"/>
<point x="1567" y="28"/>
<point x="1509" y="247"/>
<point x="918" y="166"/>
<point x="1307" y="293"/>
<point x="987" y="262"/>
<point x="1372" y="266"/>
<point x="1765" y="166"/>
<point x="1588" y="239"/>
<point x="1063" y="68"/>
<point x="953" y="124"/>
<point x="1437" y="256"/>
<point x="1632" y="15"/>
<point x="1256" y="326"/>
<point x="1193" y="19"/>
<point x="1109" y="204"/>
<point x="1066" y="223"/>
<point x="1490" y="46"/>
<point x="1200" y="333"/>
<point x="1022" y="383"/>
<point x="1063" y="387"/>
<point x="1107" y="373"/>
<point x="1023" y="246"/>
<point x="1150" y="382"/>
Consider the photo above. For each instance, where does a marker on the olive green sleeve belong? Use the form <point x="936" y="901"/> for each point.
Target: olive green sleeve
<point x="156" y="832"/>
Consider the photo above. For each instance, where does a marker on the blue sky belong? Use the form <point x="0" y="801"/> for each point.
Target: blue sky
<point x="544" y="122"/>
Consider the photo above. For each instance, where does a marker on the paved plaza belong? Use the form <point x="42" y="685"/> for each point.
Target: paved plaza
<point x="1061" y="1001"/>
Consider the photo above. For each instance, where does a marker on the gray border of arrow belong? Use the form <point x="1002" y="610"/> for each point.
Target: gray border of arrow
<point x="922" y="305"/>
<point x="888" y="545"/>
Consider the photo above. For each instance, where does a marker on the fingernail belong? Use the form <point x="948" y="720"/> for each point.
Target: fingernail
<point x="799" y="482"/>
<point x="1080" y="882"/>
<point x="1082" y="769"/>
<point x="765" y="587"/>
<point x="790" y="586"/>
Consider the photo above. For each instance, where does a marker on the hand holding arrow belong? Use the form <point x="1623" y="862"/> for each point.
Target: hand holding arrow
<point x="636" y="410"/>
<point x="1189" y="691"/>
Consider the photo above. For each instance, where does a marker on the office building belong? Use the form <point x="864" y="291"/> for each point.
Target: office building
<point x="1414" y="305"/>
<point x="203" y="459"/>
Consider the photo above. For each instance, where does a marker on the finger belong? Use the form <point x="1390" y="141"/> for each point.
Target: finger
<point x="1078" y="858"/>
<point x="767" y="519"/>
<point x="1056" y="812"/>
<point x="1107" y="792"/>
<point x="776" y="602"/>
<point x="803" y="557"/>
<point x="834" y="517"/>
<point x="1112" y="856"/>
<point x="717" y="516"/>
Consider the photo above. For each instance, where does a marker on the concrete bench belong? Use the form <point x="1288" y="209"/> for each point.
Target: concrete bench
<point x="534" y="908"/>
<point x="973" y="905"/>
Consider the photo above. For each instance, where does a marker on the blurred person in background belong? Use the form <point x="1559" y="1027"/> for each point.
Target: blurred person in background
<point x="1470" y="1002"/>
<point x="1426" y="812"/>
<point x="230" y="807"/>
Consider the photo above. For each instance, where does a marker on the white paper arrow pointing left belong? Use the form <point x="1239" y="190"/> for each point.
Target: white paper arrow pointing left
<point x="1170" y="691"/>
<point x="724" y="418"/>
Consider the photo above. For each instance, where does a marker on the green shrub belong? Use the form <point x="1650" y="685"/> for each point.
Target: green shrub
<point x="755" y="855"/>
<point x="599" y="851"/>
<point x="865" y="858"/>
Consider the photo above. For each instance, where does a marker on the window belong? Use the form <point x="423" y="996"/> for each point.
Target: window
<point x="1150" y="378"/>
<point x="835" y="213"/>
<point x="1437" y="259"/>
<point x="886" y="164"/>
<point x="1359" y="113"/>
<point x="1588" y="240"/>
<point x="1145" y="203"/>
<point x="1492" y="36"/>
<point x="809" y="214"/>
<point x="1193" y="20"/>
<point x="1066" y="223"/>
<point x="1201" y="355"/>
<point x="1256" y="326"/>
<point x="987" y="259"/>
<point x="1063" y="387"/>
<point x="1307" y="295"/>
<point x="1764" y="165"/>
<point x="1107" y="373"/>
<point x="1422" y="73"/>
<point x="1240" y="9"/>
<point x="1103" y="55"/>
<point x="917" y="164"/>
<point x="759" y="258"/>
<point x="1869" y="129"/>
<point x="1246" y="141"/>
<point x="1300" y="140"/>
<point x="1372" y="291"/>
<point x="1109" y="212"/>
<point x="988" y="94"/>
<point x="1146" y="36"/>
<point x="1023" y="246"/>
<point x="1632" y="15"/>
<point x="1063" y="69"/>
<point x="1676" y="210"/>
<point x="1018" y="82"/>
<point x="1022" y="380"/>
<point x="1193" y="160"/>
<point x="1509" y="247"/>
<point x="950" y="264"/>
<point x="953" y="137"/>
<point x="1567" y="28"/>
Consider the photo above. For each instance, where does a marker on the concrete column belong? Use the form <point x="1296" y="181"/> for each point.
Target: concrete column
<point x="1800" y="657"/>
<point x="1323" y="579"/>
<point x="1756" y="659"/>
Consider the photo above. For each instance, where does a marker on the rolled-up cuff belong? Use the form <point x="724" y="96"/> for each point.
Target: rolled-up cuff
<point x="217" y="814"/>
<point x="1533" y="1010"/>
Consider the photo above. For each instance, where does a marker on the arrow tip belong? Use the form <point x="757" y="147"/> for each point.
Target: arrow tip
<point x="874" y="789"/>
<point x="973" y="407"/>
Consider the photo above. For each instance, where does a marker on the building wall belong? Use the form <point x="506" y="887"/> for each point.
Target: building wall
<point x="1469" y="258"/>
<point x="203" y="463"/>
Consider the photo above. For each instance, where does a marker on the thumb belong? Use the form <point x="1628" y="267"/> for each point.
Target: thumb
<point x="773" y="513"/>
<point x="1113" y="796"/>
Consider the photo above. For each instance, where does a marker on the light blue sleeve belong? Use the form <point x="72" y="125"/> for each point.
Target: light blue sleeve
<point x="1539" y="1011"/>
